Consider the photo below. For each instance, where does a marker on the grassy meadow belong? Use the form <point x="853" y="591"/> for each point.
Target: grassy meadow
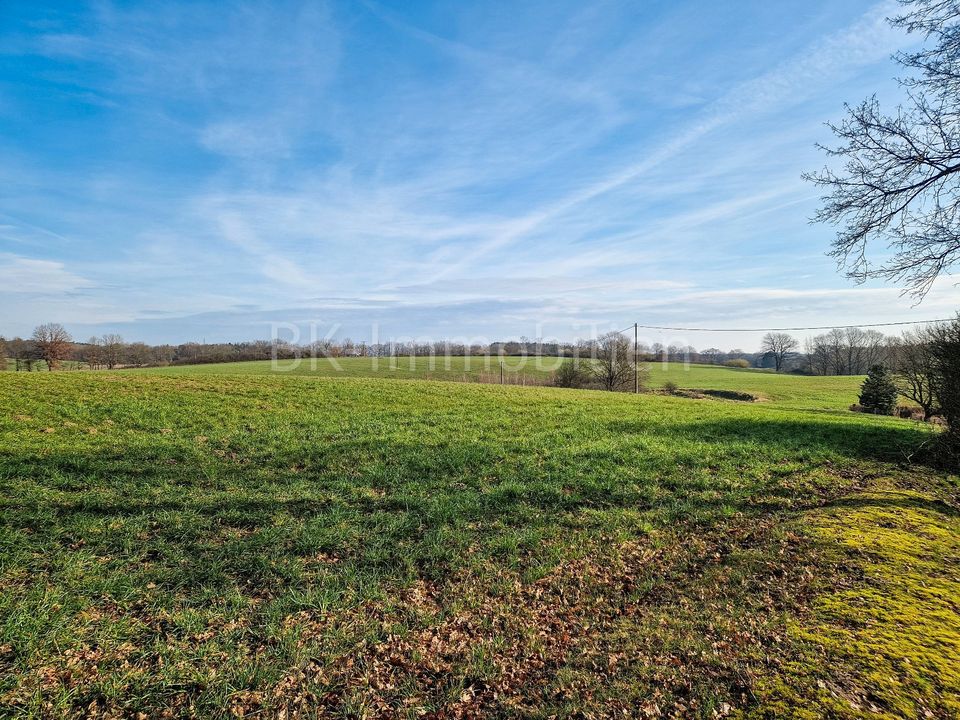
<point x="517" y="370"/>
<point x="829" y="393"/>
<point x="228" y="541"/>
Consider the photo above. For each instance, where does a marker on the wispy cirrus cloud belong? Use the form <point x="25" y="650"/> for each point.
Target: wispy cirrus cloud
<point x="564" y="163"/>
<point x="868" y="40"/>
<point x="30" y="276"/>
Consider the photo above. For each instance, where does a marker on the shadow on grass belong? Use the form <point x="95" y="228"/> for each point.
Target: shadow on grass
<point x="881" y="442"/>
<point x="902" y="502"/>
<point x="402" y="507"/>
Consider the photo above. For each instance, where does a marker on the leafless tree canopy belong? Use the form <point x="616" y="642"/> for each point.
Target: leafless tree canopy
<point x="900" y="180"/>
<point x="613" y="364"/>
<point x="780" y="346"/>
<point x="53" y="343"/>
<point x="112" y="350"/>
<point x="913" y="362"/>
<point x="848" y="351"/>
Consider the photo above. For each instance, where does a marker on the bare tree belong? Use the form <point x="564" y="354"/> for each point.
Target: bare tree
<point x="900" y="180"/>
<point x="676" y="353"/>
<point x="914" y="370"/>
<point x="93" y="353"/>
<point x="112" y="350"/>
<point x="862" y="349"/>
<point x="847" y="351"/>
<point x="53" y="343"/>
<point x="818" y="358"/>
<point x="23" y="352"/>
<point x="137" y="354"/>
<point x="780" y="346"/>
<point x="876" y="350"/>
<point x="836" y="350"/>
<point x="613" y="362"/>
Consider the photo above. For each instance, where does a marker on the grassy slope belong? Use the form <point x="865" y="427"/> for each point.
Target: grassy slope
<point x="795" y="391"/>
<point x="835" y="393"/>
<point x="404" y="368"/>
<point x="212" y="543"/>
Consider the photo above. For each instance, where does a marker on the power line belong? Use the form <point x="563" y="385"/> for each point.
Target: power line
<point x="784" y="329"/>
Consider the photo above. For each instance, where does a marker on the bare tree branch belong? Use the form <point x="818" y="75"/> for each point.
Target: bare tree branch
<point x="899" y="184"/>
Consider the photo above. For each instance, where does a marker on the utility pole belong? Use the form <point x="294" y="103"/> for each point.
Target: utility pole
<point x="636" y="352"/>
<point x="501" y="372"/>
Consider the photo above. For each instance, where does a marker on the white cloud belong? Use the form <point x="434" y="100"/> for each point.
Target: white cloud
<point x="246" y="140"/>
<point x="21" y="275"/>
<point x="452" y="167"/>
<point x="866" y="41"/>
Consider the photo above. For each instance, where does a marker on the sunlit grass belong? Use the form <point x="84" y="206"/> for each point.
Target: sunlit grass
<point x="831" y="393"/>
<point x="213" y="543"/>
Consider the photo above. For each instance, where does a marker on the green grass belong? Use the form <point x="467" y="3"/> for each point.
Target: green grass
<point x="835" y="393"/>
<point x="454" y="368"/>
<point x="831" y="393"/>
<point x="41" y="365"/>
<point x="214" y="544"/>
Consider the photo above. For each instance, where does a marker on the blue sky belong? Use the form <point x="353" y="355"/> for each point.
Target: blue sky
<point x="178" y="171"/>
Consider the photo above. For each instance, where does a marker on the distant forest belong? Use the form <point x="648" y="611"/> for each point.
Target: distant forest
<point x="849" y="351"/>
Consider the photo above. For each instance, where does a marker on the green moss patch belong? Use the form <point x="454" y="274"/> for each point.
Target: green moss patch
<point x="881" y="637"/>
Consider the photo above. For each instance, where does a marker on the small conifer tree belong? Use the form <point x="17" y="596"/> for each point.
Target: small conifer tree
<point x="878" y="394"/>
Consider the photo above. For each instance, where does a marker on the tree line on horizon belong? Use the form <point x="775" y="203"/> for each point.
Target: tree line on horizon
<point x="924" y="362"/>
<point x="849" y="351"/>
